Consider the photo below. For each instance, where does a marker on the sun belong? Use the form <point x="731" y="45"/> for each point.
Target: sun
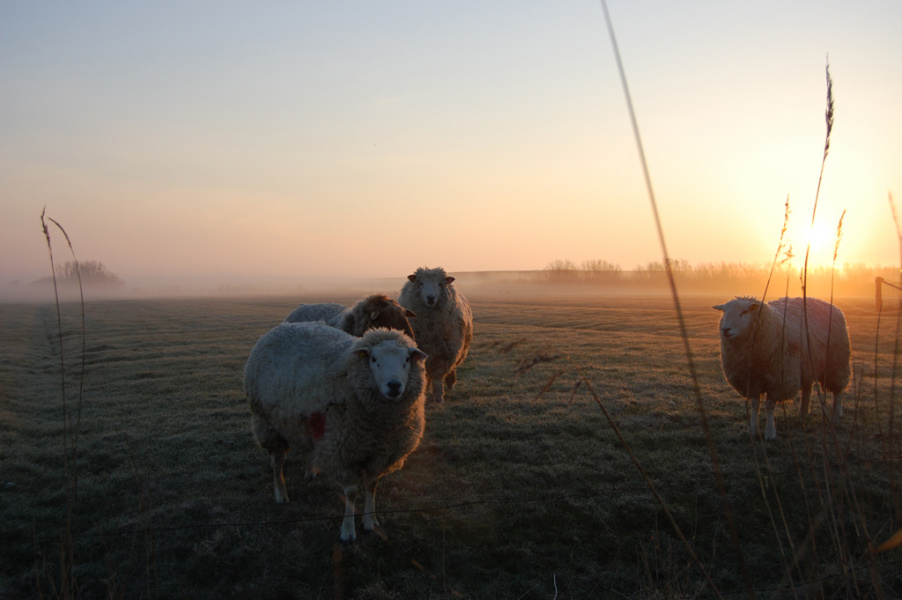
<point x="819" y="237"/>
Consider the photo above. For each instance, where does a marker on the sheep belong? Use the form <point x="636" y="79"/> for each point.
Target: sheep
<point x="376" y="310"/>
<point x="353" y="406"/>
<point x="443" y="326"/>
<point x="765" y="350"/>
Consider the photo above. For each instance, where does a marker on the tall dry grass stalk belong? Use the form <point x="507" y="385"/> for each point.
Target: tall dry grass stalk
<point x="890" y="437"/>
<point x="895" y="540"/>
<point x="68" y="587"/>
<point x="838" y="507"/>
<point x="828" y="117"/>
<point x="783" y="248"/>
<point x="835" y="493"/>
<point x="693" y="373"/>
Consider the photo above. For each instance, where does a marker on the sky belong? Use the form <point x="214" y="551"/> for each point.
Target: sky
<point x="244" y="143"/>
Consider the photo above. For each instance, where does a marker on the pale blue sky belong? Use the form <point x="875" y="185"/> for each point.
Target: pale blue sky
<point x="243" y="142"/>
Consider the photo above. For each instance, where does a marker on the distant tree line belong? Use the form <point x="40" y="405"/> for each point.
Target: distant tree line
<point x="849" y="278"/>
<point x="93" y="273"/>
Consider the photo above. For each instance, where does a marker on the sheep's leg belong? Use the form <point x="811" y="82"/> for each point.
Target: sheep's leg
<point x="451" y="379"/>
<point x="277" y="460"/>
<point x="806" y="401"/>
<point x="309" y="471"/>
<point x="369" y="508"/>
<point x="837" y="406"/>
<point x="348" y="531"/>
<point x="770" y="430"/>
<point x="753" y="419"/>
<point x="306" y="450"/>
<point x="437" y="391"/>
<point x="272" y="441"/>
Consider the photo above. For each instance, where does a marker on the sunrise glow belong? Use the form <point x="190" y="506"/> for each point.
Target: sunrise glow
<point x="310" y="141"/>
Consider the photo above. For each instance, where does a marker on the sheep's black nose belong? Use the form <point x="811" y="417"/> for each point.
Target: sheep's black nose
<point x="430" y="300"/>
<point x="394" y="388"/>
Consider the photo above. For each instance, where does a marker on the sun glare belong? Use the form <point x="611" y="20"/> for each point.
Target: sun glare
<point x="819" y="237"/>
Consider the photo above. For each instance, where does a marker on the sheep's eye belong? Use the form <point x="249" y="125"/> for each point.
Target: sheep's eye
<point x="372" y="359"/>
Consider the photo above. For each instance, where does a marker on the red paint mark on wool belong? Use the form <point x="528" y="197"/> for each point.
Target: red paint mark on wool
<point x="317" y="425"/>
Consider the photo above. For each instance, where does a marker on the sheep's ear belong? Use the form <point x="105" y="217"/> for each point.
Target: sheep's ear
<point x="412" y="277"/>
<point x="374" y="315"/>
<point x="719" y="307"/>
<point x="449" y="280"/>
<point x="416" y="355"/>
<point x="363" y="353"/>
<point x="409" y="314"/>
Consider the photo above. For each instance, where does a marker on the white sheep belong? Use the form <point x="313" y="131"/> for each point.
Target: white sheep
<point x="374" y="311"/>
<point x="765" y="350"/>
<point x="353" y="406"/>
<point x="443" y="325"/>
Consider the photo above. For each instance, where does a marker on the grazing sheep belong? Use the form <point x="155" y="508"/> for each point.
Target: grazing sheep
<point x="443" y="327"/>
<point x="376" y="310"/>
<point x="765" y="350"/>
<point x="354" y="406"/>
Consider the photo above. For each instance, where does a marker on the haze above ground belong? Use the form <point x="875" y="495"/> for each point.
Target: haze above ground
<point x="228" y="144"/>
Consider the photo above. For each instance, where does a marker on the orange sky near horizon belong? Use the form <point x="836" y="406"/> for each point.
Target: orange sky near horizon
<point x="185" y="142"/>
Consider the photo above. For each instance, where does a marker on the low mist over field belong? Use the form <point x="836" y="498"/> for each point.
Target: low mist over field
<point x="726" y="280"/>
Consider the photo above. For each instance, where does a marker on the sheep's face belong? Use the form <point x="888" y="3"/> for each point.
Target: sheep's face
<point x="432" y="287"/>
<point x="738" y="318"/>
<point x="390" y="364"/>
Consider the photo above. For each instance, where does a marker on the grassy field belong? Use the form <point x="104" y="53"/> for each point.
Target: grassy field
<point x="521" y="487"/>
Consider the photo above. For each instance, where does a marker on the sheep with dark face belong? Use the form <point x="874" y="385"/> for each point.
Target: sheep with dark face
<point x="766" y="349"/>
<point x="353" y="406"/>
<point x="374" y="311"/>
<point x="443" y="326"/>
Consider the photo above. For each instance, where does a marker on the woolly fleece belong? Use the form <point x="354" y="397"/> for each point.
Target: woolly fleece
<point x="310" y="386"/>
<point x="763" y="353"/>
<point x="444" y="329"/>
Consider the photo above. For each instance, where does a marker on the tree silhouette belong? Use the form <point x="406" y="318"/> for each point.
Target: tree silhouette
<point x="92" y="272"/>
